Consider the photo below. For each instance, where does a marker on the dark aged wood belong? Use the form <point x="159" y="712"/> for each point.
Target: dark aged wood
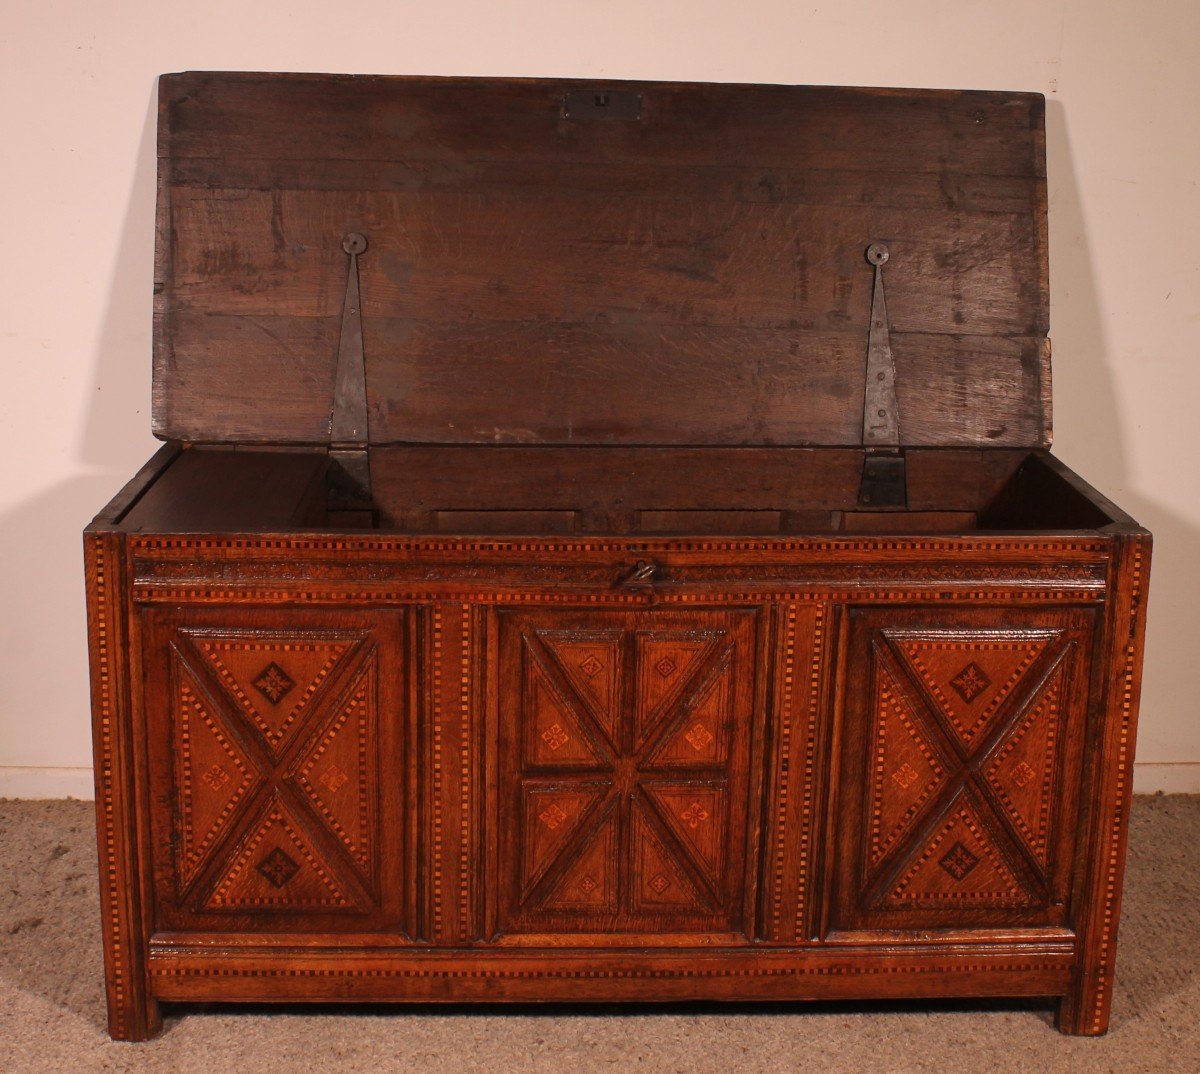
<point x="534" y="279"/>
<point x="617" y="686"/>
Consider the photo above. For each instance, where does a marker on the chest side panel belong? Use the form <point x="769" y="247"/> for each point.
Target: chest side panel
<point x="277" y="745"/>
<point x="961" y="757"/>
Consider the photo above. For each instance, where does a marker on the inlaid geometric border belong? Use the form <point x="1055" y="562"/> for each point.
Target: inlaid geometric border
<point x="821" y="546"/>
<point x="191" y="852"/>
<point x="1002" y="594"/>
<point x="358" y="699"/>
<point x="209" y="643"/>
<point x="798" y="690"/>
<point x="1116" y="822"/>
<point x="976" y="645"/>
<point x="1060" y="639"/>
<point x="1012" y="896"/>
<point x="132" y="1012"/>
<point x="1050" y="693"/>
<point x="452" y="763"/>
<point x="275" y="814"/>
<point x="882" y="842"/>
<point x="869" y="966"/>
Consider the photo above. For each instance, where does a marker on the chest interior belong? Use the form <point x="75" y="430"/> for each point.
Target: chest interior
<point x="627" y="491"/>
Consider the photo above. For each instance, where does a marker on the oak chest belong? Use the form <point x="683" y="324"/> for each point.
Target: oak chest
<point x="606" y="548"/>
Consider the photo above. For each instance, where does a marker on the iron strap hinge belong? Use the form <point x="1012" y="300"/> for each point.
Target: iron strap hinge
<point x="349" y="435"/>
<point x="884" y="480"/>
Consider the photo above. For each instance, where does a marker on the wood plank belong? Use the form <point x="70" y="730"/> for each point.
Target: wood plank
<point x="371" y="118"/>
<point x="616" y="489"/>
<point x="489" y="258"/>
<point x="528" y="382"/>
<point x="947" y="189"/>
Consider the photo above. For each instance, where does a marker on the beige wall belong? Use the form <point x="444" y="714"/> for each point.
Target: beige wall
<point x="76" y="203"/>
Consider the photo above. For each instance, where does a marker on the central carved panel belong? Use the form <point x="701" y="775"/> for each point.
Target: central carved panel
<point x="626" y="770"/>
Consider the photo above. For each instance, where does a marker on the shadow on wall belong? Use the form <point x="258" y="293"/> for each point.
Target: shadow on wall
<point x="44" y="635"/>
<point x="117" y="417"/>
<point x="1083" y="367"/>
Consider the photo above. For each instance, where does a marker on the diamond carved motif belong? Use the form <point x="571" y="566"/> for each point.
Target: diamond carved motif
<point x="552" y="816"/>
<point x="698" y="737"/>
<point x="334" y="778"/>
<point x="905" y="775"/>
<point x="555" y="737"/>
<point x="278" y="868"/>
<point x="694" y="815"/>
<point x="215" y="776"/>
<point x="958" y="861"/>
<point x="666" y="667"/>
<point x="659" y="883"/>
<point x="592" y="666"/>
<point x="1023" y="774"/>
<point x="970" y="682"/>
<point x="587" y="885"/>
<point x="274" y="683"/>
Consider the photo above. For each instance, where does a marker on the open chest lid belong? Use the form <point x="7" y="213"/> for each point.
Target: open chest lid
<point x="575" y="262"/>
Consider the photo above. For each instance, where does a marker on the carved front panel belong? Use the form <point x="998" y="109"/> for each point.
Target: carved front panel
<point x="961" y="761"/>
<point x="271" y="740"/>
<point x="625" y="745"/>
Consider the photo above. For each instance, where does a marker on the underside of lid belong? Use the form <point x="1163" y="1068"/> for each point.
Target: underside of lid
<point x="572" y="262"/>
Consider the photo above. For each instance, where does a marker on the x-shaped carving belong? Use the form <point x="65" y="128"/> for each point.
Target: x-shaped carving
<point x="277" y="777"/>
<point x="965" y="764"/>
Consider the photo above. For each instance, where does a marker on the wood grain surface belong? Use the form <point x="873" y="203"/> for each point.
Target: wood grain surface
<point x="695" y="275"/>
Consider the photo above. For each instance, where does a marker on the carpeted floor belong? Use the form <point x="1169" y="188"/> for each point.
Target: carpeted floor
<point x="52" y="1007"/>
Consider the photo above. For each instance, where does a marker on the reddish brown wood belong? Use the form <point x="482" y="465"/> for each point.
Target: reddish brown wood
<point x="277" y="736"/>
<point x="625" y="775"/>
<point x="133" y="1012"/>
<point x="647" y="704"/>
<point x="1086" y="1007"/>
<point x="445" y="828"/>
<point x="961" y="757"/>
<point x="195" y="971"/>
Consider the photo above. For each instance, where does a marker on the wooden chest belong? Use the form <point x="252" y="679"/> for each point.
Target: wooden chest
<point x="606" y="548"/>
